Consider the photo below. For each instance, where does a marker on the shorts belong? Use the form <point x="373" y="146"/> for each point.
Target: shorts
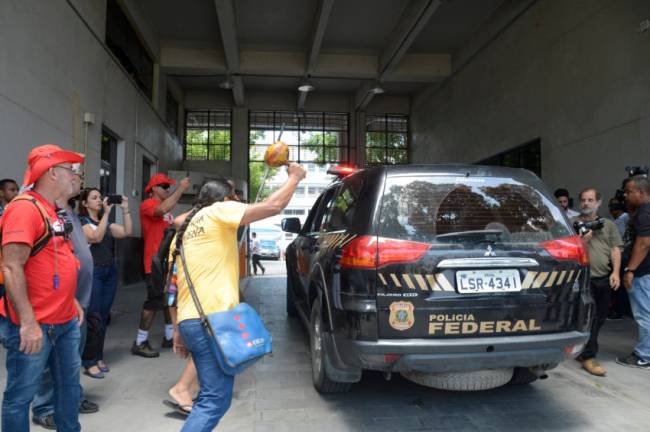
<point x="155" y="299"/>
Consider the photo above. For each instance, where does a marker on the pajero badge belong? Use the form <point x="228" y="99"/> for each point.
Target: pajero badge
<point x="401" y="315"/>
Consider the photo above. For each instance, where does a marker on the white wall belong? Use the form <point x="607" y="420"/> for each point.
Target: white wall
<point x="575" y="74"/>
<point x="52" y="71"/>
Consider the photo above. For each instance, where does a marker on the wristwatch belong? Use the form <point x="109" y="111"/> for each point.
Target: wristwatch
<point x="628" y="270"/>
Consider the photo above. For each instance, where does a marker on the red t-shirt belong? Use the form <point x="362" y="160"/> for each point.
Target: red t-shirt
<point x="153" y="229"/>
<point x="23" y="223"/>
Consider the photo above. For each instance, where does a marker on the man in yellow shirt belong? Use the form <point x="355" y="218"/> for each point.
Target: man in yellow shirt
<point x="209" y="237"/>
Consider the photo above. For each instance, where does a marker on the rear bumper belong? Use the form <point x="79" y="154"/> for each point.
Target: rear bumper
<point x="453" y="355"/>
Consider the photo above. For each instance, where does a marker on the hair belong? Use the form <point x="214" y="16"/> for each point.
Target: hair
<point x="6" y="181"/>
<point x="598" y="195"/>
<point x="642" y="183"/>
<point x="561" y="192"/>
<point x="83" y="211"/>
<point x="210" y="193"/>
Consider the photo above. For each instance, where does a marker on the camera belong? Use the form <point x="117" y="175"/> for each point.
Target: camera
<point x="631" y="172"/>
<point x="583" y="227"/>
<point x="114" y="199"/>
<point x="63" y="226"/>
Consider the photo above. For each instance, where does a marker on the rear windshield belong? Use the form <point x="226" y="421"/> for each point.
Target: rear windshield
<point x="437" y="209"/>
<point x="267" y="243"/>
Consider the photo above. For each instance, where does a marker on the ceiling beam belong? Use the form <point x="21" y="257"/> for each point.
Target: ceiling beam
<point x="320" y="24"/>
<point x="228" y="27"/>
<point x="413" y="19"/>
<point x="411" y="23"/>
<point x="192" y="60"/>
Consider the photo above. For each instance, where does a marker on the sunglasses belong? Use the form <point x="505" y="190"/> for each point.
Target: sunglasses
<point x="164" y="186"/>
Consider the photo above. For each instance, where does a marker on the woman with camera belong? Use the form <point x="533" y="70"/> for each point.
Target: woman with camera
<point x="94" y="213"/>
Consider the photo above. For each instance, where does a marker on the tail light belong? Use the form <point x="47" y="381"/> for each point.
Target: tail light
<point x="369" y="252"/>
<point x="570" y="248"/>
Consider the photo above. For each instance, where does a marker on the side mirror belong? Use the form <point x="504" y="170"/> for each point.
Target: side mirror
<point x="291" y="225"/>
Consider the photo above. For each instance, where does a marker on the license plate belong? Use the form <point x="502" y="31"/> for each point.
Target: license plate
<point x="487" y="281"/>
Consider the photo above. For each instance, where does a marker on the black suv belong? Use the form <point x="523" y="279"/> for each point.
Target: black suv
<point x="459" y="277"/>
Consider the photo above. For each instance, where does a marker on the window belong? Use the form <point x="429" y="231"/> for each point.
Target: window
<point x="207" y="135"/>
<point x="386" y="139"/>
<point x="108" y="163"/>
<point x="528" y="156"/>
<point x="294" y="212"/>
<point x="300" y="191"/>
<point x="312" y="136"/>
<point x="171" y="112"/>
<point x="341" y="215"/>
<point x="124" y="43"/>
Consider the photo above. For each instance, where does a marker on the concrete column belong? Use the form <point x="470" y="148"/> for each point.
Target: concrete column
<point x="239" y="153"/>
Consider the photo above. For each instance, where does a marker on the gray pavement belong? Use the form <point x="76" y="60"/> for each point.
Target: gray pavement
<point x="277" y="395"/>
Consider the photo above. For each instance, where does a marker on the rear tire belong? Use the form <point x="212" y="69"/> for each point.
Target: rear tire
<point x="462" y="381"/>
<point x="291" y="300"/>
<point x="523" y="376"/>
<point x="317" y="347"/>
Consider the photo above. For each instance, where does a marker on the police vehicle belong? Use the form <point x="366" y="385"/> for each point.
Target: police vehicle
<point x="459" y="277"/>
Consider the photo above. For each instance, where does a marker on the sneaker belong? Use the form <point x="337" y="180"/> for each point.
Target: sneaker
<point x="593" y="367"/>
<point x="144" y="350"/>
<point x="47" y="422"/>
<point x="167" y="343"/>
<point x="88" y="407"/>
<point x="634" y="360"/>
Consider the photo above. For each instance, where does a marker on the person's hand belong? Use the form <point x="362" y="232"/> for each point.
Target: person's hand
<point x="31" y="338"/>
<point x="80" y="312"/>
<point x="614" y="281"/>
<point x="628" y="277"/>
<point x="178" y="345"/>
<point x="185" y="183"/>
<point x="296" y="171"/>
<point x="107" y="206"/>
<point x="587" y="236"/>
<point x="125" y="203"/>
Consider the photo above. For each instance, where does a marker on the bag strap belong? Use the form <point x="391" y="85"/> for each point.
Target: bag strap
<point x="195" y="297"/>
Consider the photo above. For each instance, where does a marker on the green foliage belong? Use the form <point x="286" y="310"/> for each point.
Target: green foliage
<point x="201" y="144"/>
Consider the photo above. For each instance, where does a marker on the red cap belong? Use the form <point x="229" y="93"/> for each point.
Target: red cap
<point x="44" y="157"/>
<point x="158" y="179"/>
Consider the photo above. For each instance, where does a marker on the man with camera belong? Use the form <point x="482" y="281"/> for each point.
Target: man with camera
<point x="41" y="317"/>
<point x="603" y="241"/>
<point x="636" y="275"/>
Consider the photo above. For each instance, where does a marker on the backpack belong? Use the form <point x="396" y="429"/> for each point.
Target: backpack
<point x="160" y="261"/>
<point x="38" y="246"/>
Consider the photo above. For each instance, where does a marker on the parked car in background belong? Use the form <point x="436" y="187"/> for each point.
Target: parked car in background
<point x="269" y="249"/>
<point x="459" y="277"/>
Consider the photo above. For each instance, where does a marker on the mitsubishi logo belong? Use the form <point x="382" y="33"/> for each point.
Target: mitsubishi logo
<point x="489" y="252"/>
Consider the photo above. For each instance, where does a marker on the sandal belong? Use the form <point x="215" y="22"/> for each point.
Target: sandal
<point x="181" y="409"/>
<point x="103" y="368"/>
<point x="96" y="375"/>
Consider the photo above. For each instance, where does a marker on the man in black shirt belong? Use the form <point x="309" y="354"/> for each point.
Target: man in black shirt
<point x="637" y="273"/>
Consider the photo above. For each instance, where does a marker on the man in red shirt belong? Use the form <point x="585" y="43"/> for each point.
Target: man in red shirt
<point x="155" y="217"/>
<point x="40" y="316"/>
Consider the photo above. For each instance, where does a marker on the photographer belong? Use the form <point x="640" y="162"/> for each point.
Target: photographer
<point x="603" y="241"/>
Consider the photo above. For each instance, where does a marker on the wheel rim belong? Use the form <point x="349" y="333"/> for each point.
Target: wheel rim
<point x="316" y="346"/>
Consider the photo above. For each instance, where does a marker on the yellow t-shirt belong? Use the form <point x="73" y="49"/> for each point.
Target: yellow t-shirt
<point x="210" y="244"/>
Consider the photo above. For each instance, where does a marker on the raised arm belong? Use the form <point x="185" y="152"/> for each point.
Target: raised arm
<point x="97" y="235"/>
<point x="121" y="231"/>
<point x="168" y="204"/>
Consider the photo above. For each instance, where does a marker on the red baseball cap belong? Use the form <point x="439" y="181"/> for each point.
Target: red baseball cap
<point x="44" y="157"/>
<point x="158" y="179"/>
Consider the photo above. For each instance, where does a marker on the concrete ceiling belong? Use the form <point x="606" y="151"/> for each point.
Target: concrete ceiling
<point x="344" y="46"/>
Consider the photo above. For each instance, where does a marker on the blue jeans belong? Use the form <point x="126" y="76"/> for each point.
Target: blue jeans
<point x="61" y="353"/>
<point x="43" y="404"/>
<point x="101" y="302"/>
<point x="215" y="392"/>
<point x="640" y="302"/>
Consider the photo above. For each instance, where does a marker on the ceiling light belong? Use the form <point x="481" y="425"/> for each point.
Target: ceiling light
<point x="306" y="86"/>
<point x="227" y="83"/>
<point x="376" y="89"/>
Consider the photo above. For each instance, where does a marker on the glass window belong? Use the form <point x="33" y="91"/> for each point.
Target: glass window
<point x="528" y="156"/>
<point x="341" y="214"/>
<point x="208" y="135"/>
<point x="124" y="43"/>
<point x="386" y="139"/>
<point x="447" y="210"/>
<point x="314" y="137"/>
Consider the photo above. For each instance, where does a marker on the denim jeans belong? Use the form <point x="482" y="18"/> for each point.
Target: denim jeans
<point x="24" y="372"/>
<point x="43" y="404"/>
<point x="215" y="392"/>
<point x="101" y="301"/>
<point x="640" y="302"/>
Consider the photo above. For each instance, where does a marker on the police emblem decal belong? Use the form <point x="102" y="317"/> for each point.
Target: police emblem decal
<point x="401" y="315"/>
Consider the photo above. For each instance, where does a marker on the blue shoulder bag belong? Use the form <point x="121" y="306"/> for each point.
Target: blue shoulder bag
<point x="238" y="335"/>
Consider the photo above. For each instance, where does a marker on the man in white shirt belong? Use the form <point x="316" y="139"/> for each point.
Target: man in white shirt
<point x="562" y="197"/>
<point x="256" y="250"/>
